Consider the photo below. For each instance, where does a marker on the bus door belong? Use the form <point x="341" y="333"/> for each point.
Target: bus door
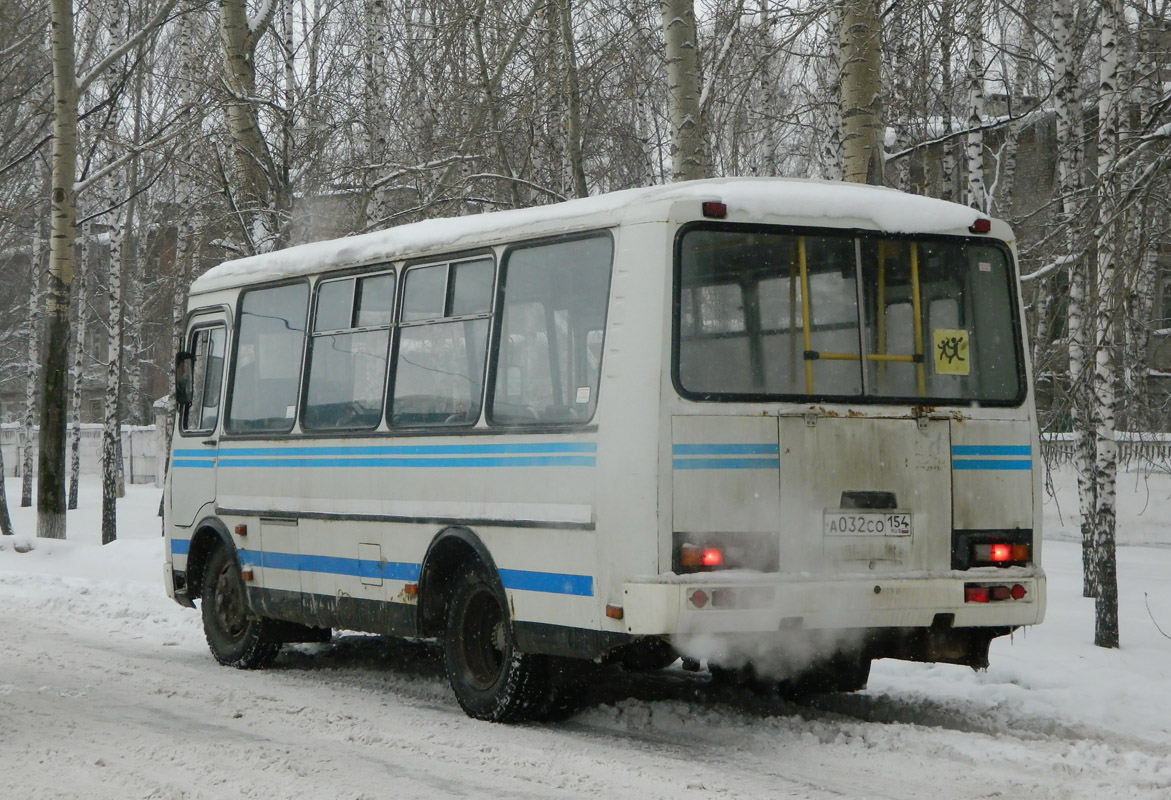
<point x="865" y="493"/>
<point x="195" y="448"/>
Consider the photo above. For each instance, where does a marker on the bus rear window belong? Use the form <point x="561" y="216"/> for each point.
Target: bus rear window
<point x="764" y="314"/>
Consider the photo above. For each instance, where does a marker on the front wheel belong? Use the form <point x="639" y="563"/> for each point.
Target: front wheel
<point x="235" y="636"/>
<point x="491" y="679"/>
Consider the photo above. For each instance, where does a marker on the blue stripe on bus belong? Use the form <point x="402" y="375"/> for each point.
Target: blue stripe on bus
<point x="331" y="565"/>
<point x="180" y="547"/>
<point x="726" y="463"/>
<point x="415" y="450"/>
<point x="979" y="463"/>
<point x="524" y="580"/>
<point x="724" y="449"/>
<point x="525" y="454"/>
<point x="549" y="582"/>
<point x="991" y="450"/>
<point x="496" y="461"/>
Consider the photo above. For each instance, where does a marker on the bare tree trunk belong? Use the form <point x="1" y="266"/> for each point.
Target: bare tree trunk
<point x="1069" y="173"/>
<point x="111" y="452"/>
<point x="5" y="518"/>
<point x="377" y="122"/>
<point x="63" y="200"/>
<point x="1024" y="71"/>
<point x="947" y="177"/>
<point x="1106" y="632"/>
<point x="35" y="316"/>
<point x="689" y="159"/>
<point x="572" y="87"/>
<point x="764" y="96"/>
<point x="79" y="364"/>
<point x="898" y="108"/>
<point x="976" y="194"/>
<point x="862" y="139"/>
<point x="256" y="195"/>
<point x="1144" y="282"/>
<point x="832" y="148"/>
<point x="642" y="109"/>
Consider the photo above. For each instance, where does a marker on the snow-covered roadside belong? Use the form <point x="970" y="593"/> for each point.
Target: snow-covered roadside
<point x="107" y="690"/>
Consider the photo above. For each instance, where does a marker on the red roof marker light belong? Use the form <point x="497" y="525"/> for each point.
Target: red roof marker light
<point x="715" y="210"/>
<point x="981" y="225"/>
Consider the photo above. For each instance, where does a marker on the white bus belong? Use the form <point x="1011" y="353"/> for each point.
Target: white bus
<point x="781" y="427"/>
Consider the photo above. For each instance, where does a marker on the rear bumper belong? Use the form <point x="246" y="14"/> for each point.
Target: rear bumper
<point x="750" y="603"/>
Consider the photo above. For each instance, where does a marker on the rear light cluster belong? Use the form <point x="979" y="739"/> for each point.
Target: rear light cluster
<point x="983" y="593"/>
<point x="1003" y="548"/>
<point x="709" y="552"/>
<point x="1001" y="553"/>
<point x="724" y="597"/>
<point x="701" y="557"/>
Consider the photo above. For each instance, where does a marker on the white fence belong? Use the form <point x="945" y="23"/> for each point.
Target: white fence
<point x="1150" y="451"/>
<point x="143" y="454"/>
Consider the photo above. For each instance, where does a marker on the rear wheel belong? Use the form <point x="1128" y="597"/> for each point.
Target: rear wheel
<point x="236" y="637"/>
<point x="491" y="679"/>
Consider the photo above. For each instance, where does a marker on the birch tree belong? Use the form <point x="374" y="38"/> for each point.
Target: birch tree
<point x="1105" y="573"/>
<point x="689" y="158"/>
<point x="81" y="301"/>
<point x="33" y="333"/>
<point x="5" y="519"/>
<point x="832" y="147"/>
<point x="975" y="195"/>
<point x="258" y="197"/>
<point x="67" y="85"/>
<point x="862" y="126"/>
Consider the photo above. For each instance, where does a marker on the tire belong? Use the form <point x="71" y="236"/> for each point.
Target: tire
<point x="236" y="637"/>
<point x="491" y="679"/>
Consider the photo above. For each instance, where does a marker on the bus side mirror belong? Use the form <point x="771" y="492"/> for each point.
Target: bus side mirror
<point x="184" y="378"/>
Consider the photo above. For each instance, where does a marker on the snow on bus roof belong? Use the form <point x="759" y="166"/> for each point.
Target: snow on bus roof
<point x="796" y="201"/>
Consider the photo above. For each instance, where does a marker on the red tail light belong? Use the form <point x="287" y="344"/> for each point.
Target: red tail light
<point x="1000" y="554"/>
<point x="976" y="594"/>
<point x="700" y="557"/>
<point x="980" y="593"/>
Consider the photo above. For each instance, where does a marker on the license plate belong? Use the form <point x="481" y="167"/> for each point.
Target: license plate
<point x="867" y="523"/>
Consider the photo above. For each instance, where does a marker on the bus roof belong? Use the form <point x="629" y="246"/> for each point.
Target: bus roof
<point x="766" y="200"/>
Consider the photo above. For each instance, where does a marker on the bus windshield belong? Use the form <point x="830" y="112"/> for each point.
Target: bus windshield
<point x="764" y="313"/>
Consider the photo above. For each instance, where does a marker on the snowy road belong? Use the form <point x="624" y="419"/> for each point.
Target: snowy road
<point x="107" y="691"/>
<point x="89" y="714"/>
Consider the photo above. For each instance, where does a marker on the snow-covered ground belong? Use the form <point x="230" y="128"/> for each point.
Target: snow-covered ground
<point x="107" y="691"/>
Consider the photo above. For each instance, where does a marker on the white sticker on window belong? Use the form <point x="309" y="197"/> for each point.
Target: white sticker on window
<point x="583" y="395"/>
<point x="290" y="412"/>
<point x="985" y="266"/>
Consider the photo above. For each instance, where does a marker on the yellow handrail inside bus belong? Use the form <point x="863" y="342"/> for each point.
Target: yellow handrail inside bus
<point x="885" y="357"/>
<point x="916" y="308"/>
<point x="806" y="338"/>
<point x="882" y="297"/>
<point x="792" y="315"/>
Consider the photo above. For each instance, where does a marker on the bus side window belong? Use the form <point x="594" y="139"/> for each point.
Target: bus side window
<point x="207" y="372"/>
<point x="348" y="353"/>
<point x="442" y="343"/>
<point x="551" y="332"/>
<point x="267" y="366"/>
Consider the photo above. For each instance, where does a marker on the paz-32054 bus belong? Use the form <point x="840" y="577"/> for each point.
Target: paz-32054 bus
<point x="781" y="427"/>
